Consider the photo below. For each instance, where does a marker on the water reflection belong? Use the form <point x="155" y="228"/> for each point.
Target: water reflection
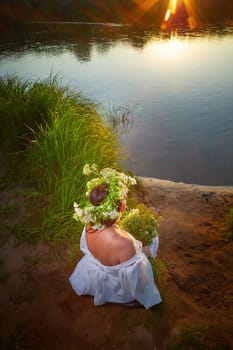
<point x="82" y="52"/>
<point x="82" y="38"/>
<point x="177" y="84"/>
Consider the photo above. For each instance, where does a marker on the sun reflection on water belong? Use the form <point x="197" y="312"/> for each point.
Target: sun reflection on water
<point x="167" y="49"/>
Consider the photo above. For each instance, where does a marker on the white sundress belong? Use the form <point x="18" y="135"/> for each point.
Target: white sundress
<point x="122" y="283"/>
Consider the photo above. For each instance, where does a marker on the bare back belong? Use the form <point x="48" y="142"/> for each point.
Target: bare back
<point x="111" y="246"/>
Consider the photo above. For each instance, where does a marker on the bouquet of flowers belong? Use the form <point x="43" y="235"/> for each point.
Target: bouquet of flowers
<point x="142" y="223"/>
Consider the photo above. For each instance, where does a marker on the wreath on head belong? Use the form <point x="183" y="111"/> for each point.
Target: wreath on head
<point x="108" y="210"/>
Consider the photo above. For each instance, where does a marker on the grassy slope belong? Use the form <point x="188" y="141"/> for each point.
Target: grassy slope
<point x="48" y="134"/>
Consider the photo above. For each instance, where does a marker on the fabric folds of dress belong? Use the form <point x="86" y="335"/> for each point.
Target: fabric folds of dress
<point x="122" y="283"/>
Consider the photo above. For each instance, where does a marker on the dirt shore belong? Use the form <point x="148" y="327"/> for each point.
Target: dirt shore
<point x="38" y="309"/>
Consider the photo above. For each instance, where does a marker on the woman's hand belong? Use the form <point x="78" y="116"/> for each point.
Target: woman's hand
<point x="146" y="251"/>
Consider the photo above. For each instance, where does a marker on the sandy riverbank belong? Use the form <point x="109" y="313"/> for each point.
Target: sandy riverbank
<point x="149" y="182"/>
<point x="38" y="309"/>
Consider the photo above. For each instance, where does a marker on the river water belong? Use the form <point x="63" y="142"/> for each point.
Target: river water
<point x="176" y="87"/>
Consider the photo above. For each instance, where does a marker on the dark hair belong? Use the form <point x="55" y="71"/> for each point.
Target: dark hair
<point x="98" y="194"/>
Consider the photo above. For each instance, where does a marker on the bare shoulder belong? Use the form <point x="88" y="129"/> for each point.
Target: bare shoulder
<point x="125" y="248"/>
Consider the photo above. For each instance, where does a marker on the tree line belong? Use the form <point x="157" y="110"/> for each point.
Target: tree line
<point x="79" y="10"/>
<point x="124" y="11"/>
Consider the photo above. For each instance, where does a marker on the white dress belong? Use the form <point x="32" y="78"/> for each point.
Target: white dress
<point x="122" y="283"/>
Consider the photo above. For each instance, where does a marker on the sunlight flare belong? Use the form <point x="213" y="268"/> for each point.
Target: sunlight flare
<point x="179" y="11"/>
<point x="167" y="15"/>
<point x="171" y="10"/>
<point x="173" y="5"/>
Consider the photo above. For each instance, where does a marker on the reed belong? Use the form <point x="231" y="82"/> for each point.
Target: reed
<point x="52" y="133"/>
<point x="119" y="119"/>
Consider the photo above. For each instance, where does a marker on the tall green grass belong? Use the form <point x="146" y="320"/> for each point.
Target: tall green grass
<point x="51" y="133"/>
<point x="23" y="107"/>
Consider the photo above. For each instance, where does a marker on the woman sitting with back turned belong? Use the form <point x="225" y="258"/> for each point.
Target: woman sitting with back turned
<point x="114" y="268"/>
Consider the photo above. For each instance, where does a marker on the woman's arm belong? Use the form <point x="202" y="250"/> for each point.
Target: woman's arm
<point x="146" y="251"/>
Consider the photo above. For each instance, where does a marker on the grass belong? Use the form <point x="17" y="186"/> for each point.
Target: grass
<point x="48" y="133"/>
<point x="159" y="268"/>
<point x="3" y="274"/>
<point x="189" y="339"/>
<point x="16" y="339"/>
<point x="228" y="223"/>
<point x="7" y="209"/>
<point x="201" y="338"/>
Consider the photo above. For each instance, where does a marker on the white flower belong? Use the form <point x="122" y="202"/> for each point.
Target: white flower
<point x="113" y="214"/>
<point x="97" y="226"/>
<point x="94" y="168"/>
<point x="93" y="183"/>
<point x="134" y="211"/>
<point x="78" y="211"/>
<point x="87" y="169"/>
<point x="133" y="181"/>
<point x="107" y="172"/>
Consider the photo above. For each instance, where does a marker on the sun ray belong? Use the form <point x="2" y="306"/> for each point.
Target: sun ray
<point x="192" y="10"/>
<point x="142" y="9"/>
<point x="167" y="15"/>
<point x="171" y="10"/>
<point x="145" y="6"/>
<point x="173" y="5"/>
<point x="180" y="12"/>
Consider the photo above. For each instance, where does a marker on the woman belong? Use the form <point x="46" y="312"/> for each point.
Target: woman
<point x="115" y="268"/>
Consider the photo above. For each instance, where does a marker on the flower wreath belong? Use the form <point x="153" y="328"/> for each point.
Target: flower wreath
<point x="108" y="210"/>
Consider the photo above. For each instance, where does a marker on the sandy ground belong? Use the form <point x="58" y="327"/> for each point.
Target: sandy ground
<point x="38" y="309"/>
